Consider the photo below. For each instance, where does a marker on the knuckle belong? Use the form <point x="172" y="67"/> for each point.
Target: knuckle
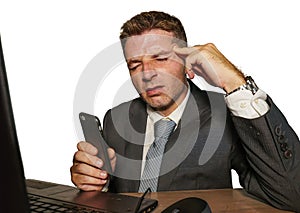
<point x="84" y="157"/>
<point x="210" y="45"/>
<point x="80" y="145"/>
<point x="80" y="168"/>
<point x="72" y="169"/>
<point x="84" y="179"/>
<point x="75" y="180"/>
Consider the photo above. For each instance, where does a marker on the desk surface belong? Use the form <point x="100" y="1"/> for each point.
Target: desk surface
<point x="220" y="200"/>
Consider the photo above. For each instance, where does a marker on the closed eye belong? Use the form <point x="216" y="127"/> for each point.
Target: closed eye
<point x="133" y="68"/>
<point x="161" y="57"/>
<point x="133" y="64"/>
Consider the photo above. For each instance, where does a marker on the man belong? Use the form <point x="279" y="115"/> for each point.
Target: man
<point x="209" y="136"/>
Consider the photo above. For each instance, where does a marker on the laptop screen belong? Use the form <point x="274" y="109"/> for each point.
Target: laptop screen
<point x="13" y="196"/>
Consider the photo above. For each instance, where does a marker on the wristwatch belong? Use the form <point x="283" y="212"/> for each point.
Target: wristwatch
<point x="249" y="85"/>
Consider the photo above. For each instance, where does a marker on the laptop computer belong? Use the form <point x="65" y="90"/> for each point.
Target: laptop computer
<point x="20" y="195"/>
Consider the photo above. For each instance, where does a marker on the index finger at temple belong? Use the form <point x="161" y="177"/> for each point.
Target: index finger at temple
<point x="184" y="50"/>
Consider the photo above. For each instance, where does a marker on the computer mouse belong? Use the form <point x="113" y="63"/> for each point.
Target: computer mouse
<point x="189" y="205"/>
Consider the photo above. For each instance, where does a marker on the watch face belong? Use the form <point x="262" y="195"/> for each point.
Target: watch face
<point x="251" y="85"/>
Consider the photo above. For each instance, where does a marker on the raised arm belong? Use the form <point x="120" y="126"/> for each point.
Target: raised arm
<point x="272" y="148"/>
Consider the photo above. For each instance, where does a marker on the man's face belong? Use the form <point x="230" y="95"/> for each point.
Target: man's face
<point x="157" y="73"/>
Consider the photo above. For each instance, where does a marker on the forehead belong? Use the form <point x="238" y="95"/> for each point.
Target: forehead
<point x="149" y="43"/>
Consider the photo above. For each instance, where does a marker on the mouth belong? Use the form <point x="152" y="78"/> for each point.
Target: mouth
<point x="154" y="91"/>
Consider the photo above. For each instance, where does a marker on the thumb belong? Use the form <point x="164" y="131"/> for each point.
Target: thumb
<point x="112" y="156"/>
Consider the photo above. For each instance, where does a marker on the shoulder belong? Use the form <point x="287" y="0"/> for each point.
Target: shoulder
<point x="129" y="107"/>
<point x="130" y="111"/>
<point x="125" y="119"/>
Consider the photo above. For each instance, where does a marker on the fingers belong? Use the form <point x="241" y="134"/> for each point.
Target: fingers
<point x="87" y="154"/>
<point x="206" y="61"/>
<point x="84" y="157"/>
<point x="88" y="178"/>
<point x="192" y="57"/>
<point x="184" y="51"/>
<point x="89" y="172"/>
<point x="87" y="147"/>
<point x="88" y="187"/>
<point x="192" y="54"/>
<point x="86" y="171"/>
<point x="187" y="54"/>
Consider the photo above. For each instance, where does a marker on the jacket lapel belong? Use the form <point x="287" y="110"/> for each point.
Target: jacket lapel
<point x="182" y="141"/>
<point x="136" y="138"/>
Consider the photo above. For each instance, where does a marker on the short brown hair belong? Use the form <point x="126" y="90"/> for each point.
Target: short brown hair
<point x="152" y="20"/>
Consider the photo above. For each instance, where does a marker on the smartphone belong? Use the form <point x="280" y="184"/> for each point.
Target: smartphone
<point x="92" y="132"/>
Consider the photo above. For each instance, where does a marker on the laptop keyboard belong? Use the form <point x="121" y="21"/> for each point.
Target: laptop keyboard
<point x="39" y="204"/>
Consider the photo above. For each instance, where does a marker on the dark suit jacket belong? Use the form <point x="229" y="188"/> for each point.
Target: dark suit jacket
<point x="206" y="145"/>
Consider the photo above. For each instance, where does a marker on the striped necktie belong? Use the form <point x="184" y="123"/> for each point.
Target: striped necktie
<point x="162" y="131"/>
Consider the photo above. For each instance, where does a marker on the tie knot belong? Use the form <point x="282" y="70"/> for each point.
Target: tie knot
<point x="163" y="128"/>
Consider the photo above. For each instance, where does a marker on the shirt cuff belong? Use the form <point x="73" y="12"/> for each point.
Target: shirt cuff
<point x="244" y="104"/>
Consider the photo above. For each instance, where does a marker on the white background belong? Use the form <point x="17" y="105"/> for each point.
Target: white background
<point x="48" y="44"/>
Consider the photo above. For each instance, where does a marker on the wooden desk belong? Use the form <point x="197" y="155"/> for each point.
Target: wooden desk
<point x="220" y="200"/>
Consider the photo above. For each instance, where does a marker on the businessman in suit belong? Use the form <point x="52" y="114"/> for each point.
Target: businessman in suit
<point x="211" y="135"/>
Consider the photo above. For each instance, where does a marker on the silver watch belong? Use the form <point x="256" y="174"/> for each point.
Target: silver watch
<point x="249" y="85"/>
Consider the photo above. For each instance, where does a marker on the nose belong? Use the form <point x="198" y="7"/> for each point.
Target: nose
<point x="148" y="70"/>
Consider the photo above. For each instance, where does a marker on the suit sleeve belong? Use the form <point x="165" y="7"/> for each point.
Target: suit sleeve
<point x="273" y="153"/>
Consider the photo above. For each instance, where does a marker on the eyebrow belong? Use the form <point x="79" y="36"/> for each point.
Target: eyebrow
<point x="133" y="61"/>
<point x="160" y="52"/>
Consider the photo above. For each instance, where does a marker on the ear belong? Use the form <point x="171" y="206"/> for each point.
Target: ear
<point x="190" y="73"/>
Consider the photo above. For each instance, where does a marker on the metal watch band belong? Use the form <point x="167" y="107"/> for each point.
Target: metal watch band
<point x="249" y="85"/>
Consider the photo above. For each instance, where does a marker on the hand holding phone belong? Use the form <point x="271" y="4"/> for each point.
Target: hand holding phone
<point x="92" y="132"/>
